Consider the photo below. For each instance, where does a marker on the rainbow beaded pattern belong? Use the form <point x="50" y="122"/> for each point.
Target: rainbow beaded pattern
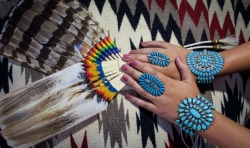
<point x="158" y="59"/>
<point x="195" y="114"/>
<point x="205" y="64"/>
<point x="151" y="84"/>
<point x="101" y="65"/>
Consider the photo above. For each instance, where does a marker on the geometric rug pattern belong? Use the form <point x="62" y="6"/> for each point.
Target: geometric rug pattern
<point x="129" y="23"/>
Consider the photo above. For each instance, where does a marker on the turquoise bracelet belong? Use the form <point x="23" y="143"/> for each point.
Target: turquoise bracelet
<point x="195" y="114"/>
<point x="205" y="65"/>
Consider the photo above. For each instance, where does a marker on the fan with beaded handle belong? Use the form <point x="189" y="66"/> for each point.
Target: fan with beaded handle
<point x="59" y="37"/>
<point x="62" y="100"/>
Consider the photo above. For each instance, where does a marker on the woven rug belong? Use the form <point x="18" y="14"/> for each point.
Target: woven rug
<point x="131" y="22"/>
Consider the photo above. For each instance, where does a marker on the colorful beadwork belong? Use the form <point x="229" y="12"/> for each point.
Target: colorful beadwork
<point x="205" y="64"/>
<point x="99" y="55"/>
<point x="151" y="84"/>
<point x="195" y="114"/>
<point x="158" y="59"/>
<point x="215" y="41"/>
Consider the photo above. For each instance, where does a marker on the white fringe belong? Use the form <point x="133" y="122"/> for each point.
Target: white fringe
<point x="230" y="40"/>
<point x="225" y="43"/>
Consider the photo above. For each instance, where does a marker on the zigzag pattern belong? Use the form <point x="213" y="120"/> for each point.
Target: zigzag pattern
<point x="223" y="26"/>
<point x="195" y="13"/>
<point x="160" y="3"/>
<point x="84" y="141"/>
<point x="197" y="32"/>
<point x="225" y="30"/>
<point x="163" y="21"/>
<point x="233" y="105"/>
<point x="131" y="22"/>
<point x="133" y="18"/>
<point x="117" y="134"/>
<point x="31" y="75"/>
<point x="221" y="11"/>
<point x="146" y="124"/>
<point x="244" y="10"/>
<point x="241" y="14"/>
<point x="5" y="75"/>
<point x="166" y="31"/>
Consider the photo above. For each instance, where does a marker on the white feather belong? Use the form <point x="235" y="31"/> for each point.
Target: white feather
<point x="67" y="101"/>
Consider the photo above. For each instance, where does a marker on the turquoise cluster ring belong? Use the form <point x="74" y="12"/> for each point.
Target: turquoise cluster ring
<point x="195" y="114"/>
<point x="205" y="65"/>
<point x="159" y="59"/>
<point x="151" y="84"/>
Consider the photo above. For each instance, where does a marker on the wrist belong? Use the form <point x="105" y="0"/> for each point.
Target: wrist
<point x="236" y="59"/>
<point x="227" y="63"/>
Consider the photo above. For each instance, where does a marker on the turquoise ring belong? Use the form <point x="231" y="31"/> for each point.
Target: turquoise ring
<point x="151" y="84"/>
<point x="159" y="59"/>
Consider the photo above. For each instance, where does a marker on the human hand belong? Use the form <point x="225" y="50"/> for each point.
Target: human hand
<point x="167" y="104"/>
<point x="172" y="51"/>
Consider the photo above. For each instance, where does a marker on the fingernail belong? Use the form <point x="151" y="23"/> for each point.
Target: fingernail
<point x="125" y="78"/>
<point x="124" y="67"/>
<point x="126" y="56"/>
<point x="128" y="96"/>
<point x="132" y="52"/>
<point x="134" y="63"/>
<point x="142" y="43"/>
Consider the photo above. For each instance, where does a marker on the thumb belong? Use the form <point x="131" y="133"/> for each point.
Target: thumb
<point x="185" y="73"/>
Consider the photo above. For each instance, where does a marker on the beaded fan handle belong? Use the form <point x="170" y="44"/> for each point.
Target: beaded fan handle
<point x="101" y="64"/>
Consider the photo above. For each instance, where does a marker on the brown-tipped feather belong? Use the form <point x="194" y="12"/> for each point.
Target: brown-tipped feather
<point x="44" y="33"/>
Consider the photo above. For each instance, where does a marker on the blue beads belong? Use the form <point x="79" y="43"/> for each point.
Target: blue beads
<point x="151" y="84"/>
<point x="195" y="114"/>
<point x="158" y="59"/>
<point x="205" y="64"/>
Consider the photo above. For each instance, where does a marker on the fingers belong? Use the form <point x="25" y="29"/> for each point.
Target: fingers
<point x="140" y="57"/>
<point x="144" y="68"/>
<point x="132" y="72"/>
<point x="185" y="72"/>
<point x="135" y="86"/>
<point x="156" y="44"/>
<point x="146" y="50"/>
<point x="143" y="103"/>
<point x="131" y="78"/>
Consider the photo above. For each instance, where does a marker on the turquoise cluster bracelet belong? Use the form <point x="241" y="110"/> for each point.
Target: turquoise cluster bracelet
<point x="195" y="114"/>
<point x="205" y="65"/>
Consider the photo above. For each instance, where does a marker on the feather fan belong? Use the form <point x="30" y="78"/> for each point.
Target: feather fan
<point x="60" y="37"/>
